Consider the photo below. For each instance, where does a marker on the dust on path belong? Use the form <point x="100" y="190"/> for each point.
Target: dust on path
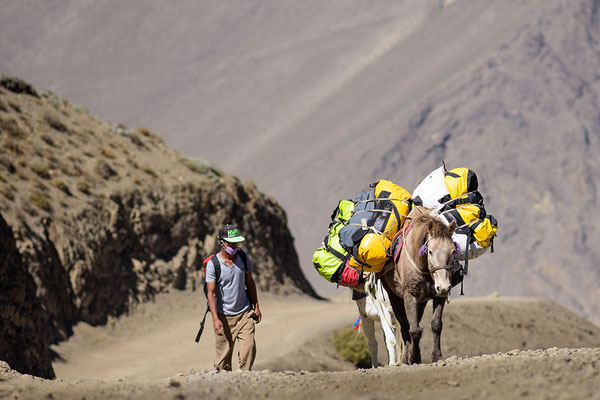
<point x="534" y="374"/>
<point x="151" y="355"/>
<point x="157" y="340"/>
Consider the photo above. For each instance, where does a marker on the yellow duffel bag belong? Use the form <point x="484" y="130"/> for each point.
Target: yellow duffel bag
<point x="460" y="181"/>
<point x="484" y="230"/>
<point x="396" y="208"/>
<point x="371" y="254"/>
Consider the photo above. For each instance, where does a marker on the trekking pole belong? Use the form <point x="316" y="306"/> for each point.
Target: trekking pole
<point x="202" y="325"/>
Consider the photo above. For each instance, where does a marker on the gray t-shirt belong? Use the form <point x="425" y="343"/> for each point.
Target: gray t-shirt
<point x="231" y="288"/>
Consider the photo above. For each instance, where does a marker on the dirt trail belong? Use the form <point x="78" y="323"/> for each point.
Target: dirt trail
<point x="151" y="354"/>
<point x="157" y="341"/>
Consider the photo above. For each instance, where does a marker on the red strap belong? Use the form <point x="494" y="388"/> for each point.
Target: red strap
<point x="403" y="233"/>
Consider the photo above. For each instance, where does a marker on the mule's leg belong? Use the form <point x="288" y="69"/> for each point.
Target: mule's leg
<point x="390" y="339"/>
<point x="369" y="329"/>
<point x="436" y="328"/>
<point x="400" y="313"/>
<point x="415" y="331"/>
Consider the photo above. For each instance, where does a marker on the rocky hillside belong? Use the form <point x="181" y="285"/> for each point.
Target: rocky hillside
<point x="24" y="337"/>
<point x="105" y="217"/>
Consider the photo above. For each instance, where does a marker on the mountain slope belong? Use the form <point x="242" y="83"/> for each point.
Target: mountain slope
<point x="318" y="100"/>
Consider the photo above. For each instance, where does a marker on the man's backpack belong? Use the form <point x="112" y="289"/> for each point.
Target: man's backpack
<point x="217" y="265"/>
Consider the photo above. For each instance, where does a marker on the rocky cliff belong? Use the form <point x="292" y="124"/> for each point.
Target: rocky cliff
<point x="106" y="217"/>
<point x="25" y="340"/>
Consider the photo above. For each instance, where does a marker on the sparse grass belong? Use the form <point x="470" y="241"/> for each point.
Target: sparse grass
<point x="124" y="149"/>
<point x="40" y="201"/>
<point x="12" y="128"/>
<point x="63" y="187"/>
<point x="352" y="346"/>
<point x="70" y="169"/>
<point x="14" y="106"/>
<point x="202" y="167"/>
<point x="49" y="141"/>
<point x="17" y="85"/>
<point x="13" y="147"/>
<point x="108" y="153"/>
<point x="144" y="132"/>
<point x="132" y="162"/>
<point x="148" y="170"/>
<point x="8" y="194"/>
<point x="105" y="170"/>
<point x="53" y="162"/>
<point x="22" y="175"/>
<point x="41" y="170"/>
<point x="151" y="135"/>
<point x="83" y="187"/>
<point x="53" y="121"/>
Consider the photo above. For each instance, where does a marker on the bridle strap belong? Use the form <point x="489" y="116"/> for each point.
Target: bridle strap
<point x="433" y="269"/>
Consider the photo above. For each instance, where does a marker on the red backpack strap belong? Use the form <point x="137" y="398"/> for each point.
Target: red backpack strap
<point x="216" y="263"/>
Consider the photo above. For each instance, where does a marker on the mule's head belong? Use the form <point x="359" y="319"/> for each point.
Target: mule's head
<point x="440" y="250"/>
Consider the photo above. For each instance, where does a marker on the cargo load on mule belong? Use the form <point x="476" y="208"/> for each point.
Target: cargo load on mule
<point x="454" y="196"/>
<point x="365" y="234"/>
<point x="361" y="232"/>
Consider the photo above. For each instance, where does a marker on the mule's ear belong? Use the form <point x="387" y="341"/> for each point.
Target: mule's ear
<point x="452" y="226"/>
<point x="430" y="225"/>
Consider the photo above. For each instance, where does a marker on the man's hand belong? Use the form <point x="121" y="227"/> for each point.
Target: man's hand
<point x="218" y="326"/>
<point x="257" y="314"/>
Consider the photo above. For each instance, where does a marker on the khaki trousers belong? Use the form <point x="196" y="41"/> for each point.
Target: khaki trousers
<point x="240" y="327"/>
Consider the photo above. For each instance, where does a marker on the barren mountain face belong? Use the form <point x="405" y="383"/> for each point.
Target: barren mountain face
<point x="313" y="101"/>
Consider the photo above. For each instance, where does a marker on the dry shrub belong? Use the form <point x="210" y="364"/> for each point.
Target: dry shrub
<point x="48" y="140"/>
<point x="202" y="167"/>
<point x="41" y="170"/>
<point x="149" y="171"/>
<point x="12" y="128"/>
<point x="70" y="169"/>
<point x="108" y="153"/>
<point x="105" y="170"/>
<point x="132" y="162"/>
<point x="8" y="194"/>
<point x="144" y="132"/>
<point x="14" y="106"/>
<point x="84" y="187"/>
<point x="17" y="85"/>
<point x="14" y="147"/>
<point x="63" y="186"/>
<point x="55" y="123"/>
<point x="352" y="346"/>
<point x="40" y="201"/>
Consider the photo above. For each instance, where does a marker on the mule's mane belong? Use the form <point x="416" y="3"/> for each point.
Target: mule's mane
<point x="436" y="227"/>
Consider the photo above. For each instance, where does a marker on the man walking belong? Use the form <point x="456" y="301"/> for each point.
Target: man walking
<point x="231" y="296"/>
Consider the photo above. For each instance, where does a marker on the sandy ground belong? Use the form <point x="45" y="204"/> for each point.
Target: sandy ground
<point x="488" y="346"/>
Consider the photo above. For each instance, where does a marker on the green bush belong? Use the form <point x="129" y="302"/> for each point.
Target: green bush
<point x="352" y="346"/>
